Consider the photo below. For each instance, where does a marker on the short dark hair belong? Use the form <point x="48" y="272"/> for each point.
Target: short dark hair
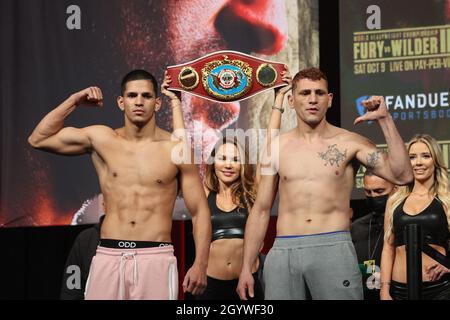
<point x="314" y="74"/>
<point x="138" y="74"/>
<point x="369" y="173"/>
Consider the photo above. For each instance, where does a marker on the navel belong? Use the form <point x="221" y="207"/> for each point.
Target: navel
<point x="159" y="181"/>
<point x="115" y="174"/>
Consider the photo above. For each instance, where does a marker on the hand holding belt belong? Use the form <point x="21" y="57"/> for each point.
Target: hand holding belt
<point x="225" y="76"/>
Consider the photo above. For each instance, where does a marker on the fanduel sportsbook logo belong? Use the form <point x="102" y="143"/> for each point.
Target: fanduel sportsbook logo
<point x="359" y="107"/>
<point x="414" y="107"/>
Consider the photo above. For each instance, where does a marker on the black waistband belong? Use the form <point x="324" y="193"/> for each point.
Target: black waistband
<point x="128" y="244"/>
<point x="431" y="290"/>
<point x="232" y="282"/>
<point x="425" y="284"/>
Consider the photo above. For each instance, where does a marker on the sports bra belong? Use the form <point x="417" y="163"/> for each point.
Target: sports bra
<point x="432" y="219"/>
<point x="226" y="224"/>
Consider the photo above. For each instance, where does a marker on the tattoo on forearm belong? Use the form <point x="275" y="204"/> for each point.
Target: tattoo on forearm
<point x="373" y="158"/>
<point x="333" y="156"/>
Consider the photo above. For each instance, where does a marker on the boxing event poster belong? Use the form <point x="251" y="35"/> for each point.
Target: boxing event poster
<point x="399" y="50"/>
<point x="52" y="49"/>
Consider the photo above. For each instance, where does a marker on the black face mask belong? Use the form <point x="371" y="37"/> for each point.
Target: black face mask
<point x="377" y="204"/>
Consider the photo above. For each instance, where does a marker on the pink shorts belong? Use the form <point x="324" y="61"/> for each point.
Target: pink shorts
<point x="133" y="274"/>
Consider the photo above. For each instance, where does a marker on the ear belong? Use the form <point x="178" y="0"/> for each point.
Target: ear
<point x="158" y="104"/>
<point x="291" y="101"/>
<point x="120" y="103"/>
<point x="330" y="100"/>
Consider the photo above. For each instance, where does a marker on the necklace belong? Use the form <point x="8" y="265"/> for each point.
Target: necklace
<point x="376" y="243"/>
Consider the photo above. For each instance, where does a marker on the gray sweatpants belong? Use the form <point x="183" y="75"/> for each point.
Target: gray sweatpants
<point x="324" y="265"/>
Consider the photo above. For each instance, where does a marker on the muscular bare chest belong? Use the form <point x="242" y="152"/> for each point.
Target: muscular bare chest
<point x="325" y="162"/>
<point x="130" y="164"/>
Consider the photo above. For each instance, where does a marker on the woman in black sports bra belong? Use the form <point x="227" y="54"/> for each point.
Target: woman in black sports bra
<point x="424" y="202"/>
<point x="230" y="188"/>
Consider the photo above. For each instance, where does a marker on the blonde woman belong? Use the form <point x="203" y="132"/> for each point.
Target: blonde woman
<point x="425" y="202"/>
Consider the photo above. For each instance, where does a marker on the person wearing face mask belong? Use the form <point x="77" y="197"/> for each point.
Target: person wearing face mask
<point x="367" y="233"/>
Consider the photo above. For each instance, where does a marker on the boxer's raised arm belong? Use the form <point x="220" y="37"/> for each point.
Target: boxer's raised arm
<point x="50" y="134"/>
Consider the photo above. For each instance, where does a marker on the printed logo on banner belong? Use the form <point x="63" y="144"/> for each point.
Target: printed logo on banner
<point x="413" y="107"/>
<point x="359" y="107"/>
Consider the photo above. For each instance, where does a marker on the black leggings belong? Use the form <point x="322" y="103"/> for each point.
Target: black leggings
<point x="226" y="290"/>
<point x="436" y="290"/>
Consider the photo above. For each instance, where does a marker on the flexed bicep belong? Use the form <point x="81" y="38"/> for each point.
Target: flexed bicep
<point x="68" y="141"/>
<point x="51" y="135"/>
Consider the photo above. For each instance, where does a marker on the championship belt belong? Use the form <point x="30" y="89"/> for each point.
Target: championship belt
<point x="226" y="76"/>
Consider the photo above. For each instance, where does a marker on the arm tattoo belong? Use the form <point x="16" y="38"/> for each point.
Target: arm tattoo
<point x="373" y="158"/>
<point x="333" y="156"/>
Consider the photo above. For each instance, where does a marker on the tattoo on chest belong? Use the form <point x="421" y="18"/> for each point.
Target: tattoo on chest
<point x="373" y="158"/>
<point x="333" y="156"/>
